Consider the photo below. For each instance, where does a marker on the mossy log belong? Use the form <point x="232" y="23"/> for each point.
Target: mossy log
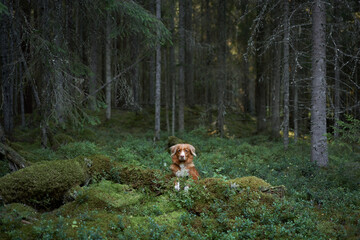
<point x="16" y="161"/>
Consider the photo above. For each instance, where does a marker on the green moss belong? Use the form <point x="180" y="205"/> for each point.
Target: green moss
<point x="42" y="185"/>
<point x="24" y="211"/>
<point x="254" y="183"/>
<point x="112" y="195"/>
<point x="16" y="220"/>
<point x="98" y="166"/>
<point x="161" y="226"/>
<point x="153" y="206"/>
<point x="138" y="177"/>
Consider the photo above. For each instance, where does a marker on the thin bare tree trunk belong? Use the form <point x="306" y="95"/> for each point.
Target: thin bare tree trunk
<point x="181" y="88"/>
<point x="337" y="93"/>
<point x="275" y="100"/>
<point x="93" y="66"/>
<point x="108" y="66"/>
<point x="158" y="79"/>
<point x="59" y="78"/>
<point x="319" y="153"/>
<point x="22" y="103"/>
<point x="167" y="90"/>
<point x="189" y="66"/>
<point x="2" y="134"/>
<point x="135" y="73"/>
<point x="286" y="73"/>
<point x="7" y="69"/>
<point x="172" y="74"/>
<point x="222" y="66"/>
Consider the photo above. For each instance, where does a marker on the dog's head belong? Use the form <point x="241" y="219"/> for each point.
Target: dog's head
<point x="182" y="151"/>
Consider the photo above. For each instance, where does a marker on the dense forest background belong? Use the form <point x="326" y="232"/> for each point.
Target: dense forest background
<point x="241" y="80"/>
<point x="255" y="57"/>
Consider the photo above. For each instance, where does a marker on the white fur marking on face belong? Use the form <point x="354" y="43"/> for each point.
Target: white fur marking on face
<point x="183" y="172"/>
<point x="182" y="154"/>
<point x="177" y="186"/>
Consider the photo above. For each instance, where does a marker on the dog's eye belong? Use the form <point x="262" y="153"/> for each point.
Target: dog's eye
<point x="186" y="150"/>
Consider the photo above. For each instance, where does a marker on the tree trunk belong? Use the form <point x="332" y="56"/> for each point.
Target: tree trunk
<point x="93" y="67"/>
<point x="222" y="66"/>
<point x="158" y="78"/>
<point x="189" y="66"/>
<point x="2" y="134"/>
<point x="108" y="65"/>
<point x="286" y="73"/>
<point x="22" y="103"/>
<point x="275" y="98"/>
<point x="59" y="78"/>
<point x="296" y="100"/>
<point x="260" y="89"/>
<point x="45" y="88"/>
<point x="152" y="79"/>
<point x="319" y="153"/>
<point x="172" y="74"/>
<point x="171" y="67"/>
<point x="7" y="69"/>
<point x="181" y="88"/>
<point x="337" y="93"/>
<point x="167" y="90"/>
<point x="135" y="73"/>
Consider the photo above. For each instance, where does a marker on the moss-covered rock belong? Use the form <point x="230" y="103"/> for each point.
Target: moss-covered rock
<point x="98" y="166"/>
<point x="254" y="183"/>
<point x="139" y="177"/>
<point x="109" y="195"/>
<point x="42" y="185"/>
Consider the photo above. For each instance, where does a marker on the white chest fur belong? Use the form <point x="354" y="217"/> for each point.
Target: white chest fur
<point x="183" y="172"/>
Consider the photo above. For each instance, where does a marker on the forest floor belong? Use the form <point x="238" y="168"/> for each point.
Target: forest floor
<point x="123" y="189"/>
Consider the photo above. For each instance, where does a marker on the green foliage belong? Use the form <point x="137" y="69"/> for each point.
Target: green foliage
<point x="349" y="130"/>
<point x="76" y="149"/>
<point x="139" y="22"/>
<point x="3" y="9"/>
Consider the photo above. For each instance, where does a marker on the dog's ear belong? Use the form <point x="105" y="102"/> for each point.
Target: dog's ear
<point x="173" y="149"/>
<point x="192" y="150"/>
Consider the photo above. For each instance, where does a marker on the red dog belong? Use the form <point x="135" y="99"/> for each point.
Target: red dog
<point x="182" y="158"/>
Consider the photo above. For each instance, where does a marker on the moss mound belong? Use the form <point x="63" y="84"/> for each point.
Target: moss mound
<point x="109" y="195"/>
<point x="139" y="177"/>
<point x="98" y="166"/>
<point x="254" y="183"/>
<point x="43" y="185"/>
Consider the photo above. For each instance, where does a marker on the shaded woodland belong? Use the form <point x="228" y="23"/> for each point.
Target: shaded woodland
<point x="275" y="60"/>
